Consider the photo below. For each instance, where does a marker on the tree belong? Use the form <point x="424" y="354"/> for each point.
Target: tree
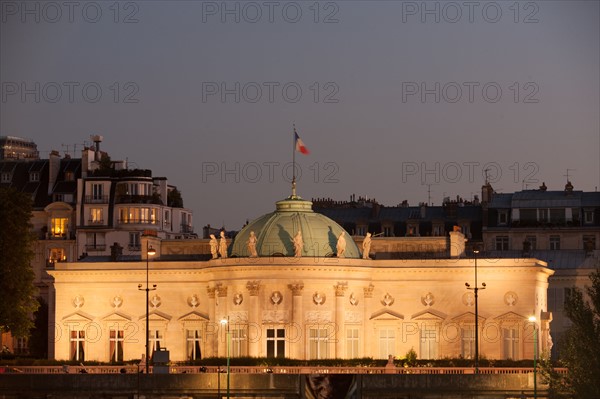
<point x="581" y="342"/>
<point x="18" y="300"/>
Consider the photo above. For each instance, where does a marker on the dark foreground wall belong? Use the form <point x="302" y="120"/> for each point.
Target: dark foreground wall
<point x="121" y="386"/>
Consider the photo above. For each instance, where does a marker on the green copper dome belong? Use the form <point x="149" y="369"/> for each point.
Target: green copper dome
<point x="275" y="232"/>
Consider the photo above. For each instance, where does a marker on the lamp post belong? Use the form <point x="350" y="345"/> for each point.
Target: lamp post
<point x="225" y="322"/>
<point x="535" y="354"/>
<point x="149" y="252"/>
<point x="475" y="290"/>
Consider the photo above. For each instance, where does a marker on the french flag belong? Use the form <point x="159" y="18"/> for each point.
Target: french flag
<point x="300" y="147"/>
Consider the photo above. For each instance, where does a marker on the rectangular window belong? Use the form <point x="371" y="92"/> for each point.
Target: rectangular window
<point x="589" y="242"/>
<point x="239" y="342"/>
<point x="5" y="177"/>
<point x="467" y="343"/>
<point x="557" y="215"/>
<point x="352" y="343"/>
<point x="34" y="176"/>
<point x="275" y="342"/>
<point x="59" y="227"/>
<point x="388" y="231"/>
<point x="501" y="243"/>
<point x="97" y="191"/>
<point x="554" y="243"/>
<point x="502" y="217"/>
<point x="77" y="347"/>
<point x="528" y="215"/>
<point x="56" y="255"/>
<point x="134" y="241"/>
<point x="588" y="216"/>
<point x="532" y="242"/>
<point x="192" y="344"/>
<point x="96" y="216"/>
<point x="387" y="342"/>
<point x="361" y="230"/>
<point x="511" y="343"/>
<point x="429" y="344"/>
<point x="116" y="341"/>
<point x="156" y="341"/>
<point x="575" y="216"/>
<point x="95" y="242"/>
<point x="318" y="343"/>
<point x="542" y="215"/>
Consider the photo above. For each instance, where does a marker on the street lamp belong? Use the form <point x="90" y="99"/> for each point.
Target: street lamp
<point x="535" y="354"/>
<point x="475" y="290"/>
<point x="149" y="252"/>
<point x="225" y="322"/>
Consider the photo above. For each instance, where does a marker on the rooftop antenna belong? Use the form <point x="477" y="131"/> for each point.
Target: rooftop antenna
<point x="429" y="193"/>
<point x="567" y="175"/>
<point x="67" y="146"/>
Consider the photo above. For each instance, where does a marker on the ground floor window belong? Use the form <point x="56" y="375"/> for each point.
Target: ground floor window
<point x="239" y="342"/>
<point x="156" y="341"/>
<point x="467" y="343"/>
<point x="275" y="342"/>
<point x="387" y="342"/>
<point x="193" y="341"/>
<point x="352" y="343"/>
<point x="318" y="343"/>
<point x="511" y="343"/>
<point x="77" y="341"/>
<point x="116" y="340"/>
<point x="429" y="342"/>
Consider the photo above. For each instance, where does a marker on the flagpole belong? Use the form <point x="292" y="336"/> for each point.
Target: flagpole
<point x="294" y="162"/>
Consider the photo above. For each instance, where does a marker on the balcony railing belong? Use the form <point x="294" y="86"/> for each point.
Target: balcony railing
<point x="186" y="228"/>
<point x="95" y="247"/>
<point x="139" y="221"/>
<point x="95" y="222"/>
<point x="290" y="370"/>
<point x="135" y="247"/>
<point x="96" y="199"/>
<point x="138" y="199"/>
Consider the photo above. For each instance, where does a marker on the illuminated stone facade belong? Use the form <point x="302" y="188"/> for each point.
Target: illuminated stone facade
<point x="314" y="306"/>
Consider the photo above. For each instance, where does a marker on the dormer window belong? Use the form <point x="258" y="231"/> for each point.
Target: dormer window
<point x="502" y="217"/>
<point x="588" y="216"/>
<point x="69" y="176"/>
<point x="5" y="177"/>
<point x="34" y="176"/>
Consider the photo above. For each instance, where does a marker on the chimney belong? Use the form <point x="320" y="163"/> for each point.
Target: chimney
<point x="97" y="139"/>
<point x="53" y="169"/>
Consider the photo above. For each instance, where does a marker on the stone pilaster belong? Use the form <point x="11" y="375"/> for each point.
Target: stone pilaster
<point x="367" y="325"/>
<point x="297" y="327"/>
<point x="254" y="325"/>
<point x="212" y="329"/>
<point x="340" y="290"/>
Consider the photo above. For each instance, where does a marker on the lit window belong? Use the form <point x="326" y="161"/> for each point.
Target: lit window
<point x="77" y="347"/>
<point x="96" y="216"/>
<point x="193" y="341"/>
<point x="467" y="335"/>
<point x="239" y="342"/>
<point x="352" y="343"/>
<point x="429" y="342"/>
<point x="387" y="342"/>
<point x="511" y="343"/>
<point x="59" y="227"/>
<point x="318" y="343"/>
<point x="156" y="341"/>
<point x="116" y="341"/>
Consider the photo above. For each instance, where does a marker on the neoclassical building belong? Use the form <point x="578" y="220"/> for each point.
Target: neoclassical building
<point x="300" y="300"/>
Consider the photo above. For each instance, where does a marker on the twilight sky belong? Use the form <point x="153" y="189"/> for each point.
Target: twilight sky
<point x="388" y="96"/>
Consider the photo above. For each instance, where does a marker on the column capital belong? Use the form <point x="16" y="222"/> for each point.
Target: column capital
<point x="369" y="291"/>
<point x="340" y="288"/>
<point x="296" y="288"/>
<point x="253" y="287"/>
